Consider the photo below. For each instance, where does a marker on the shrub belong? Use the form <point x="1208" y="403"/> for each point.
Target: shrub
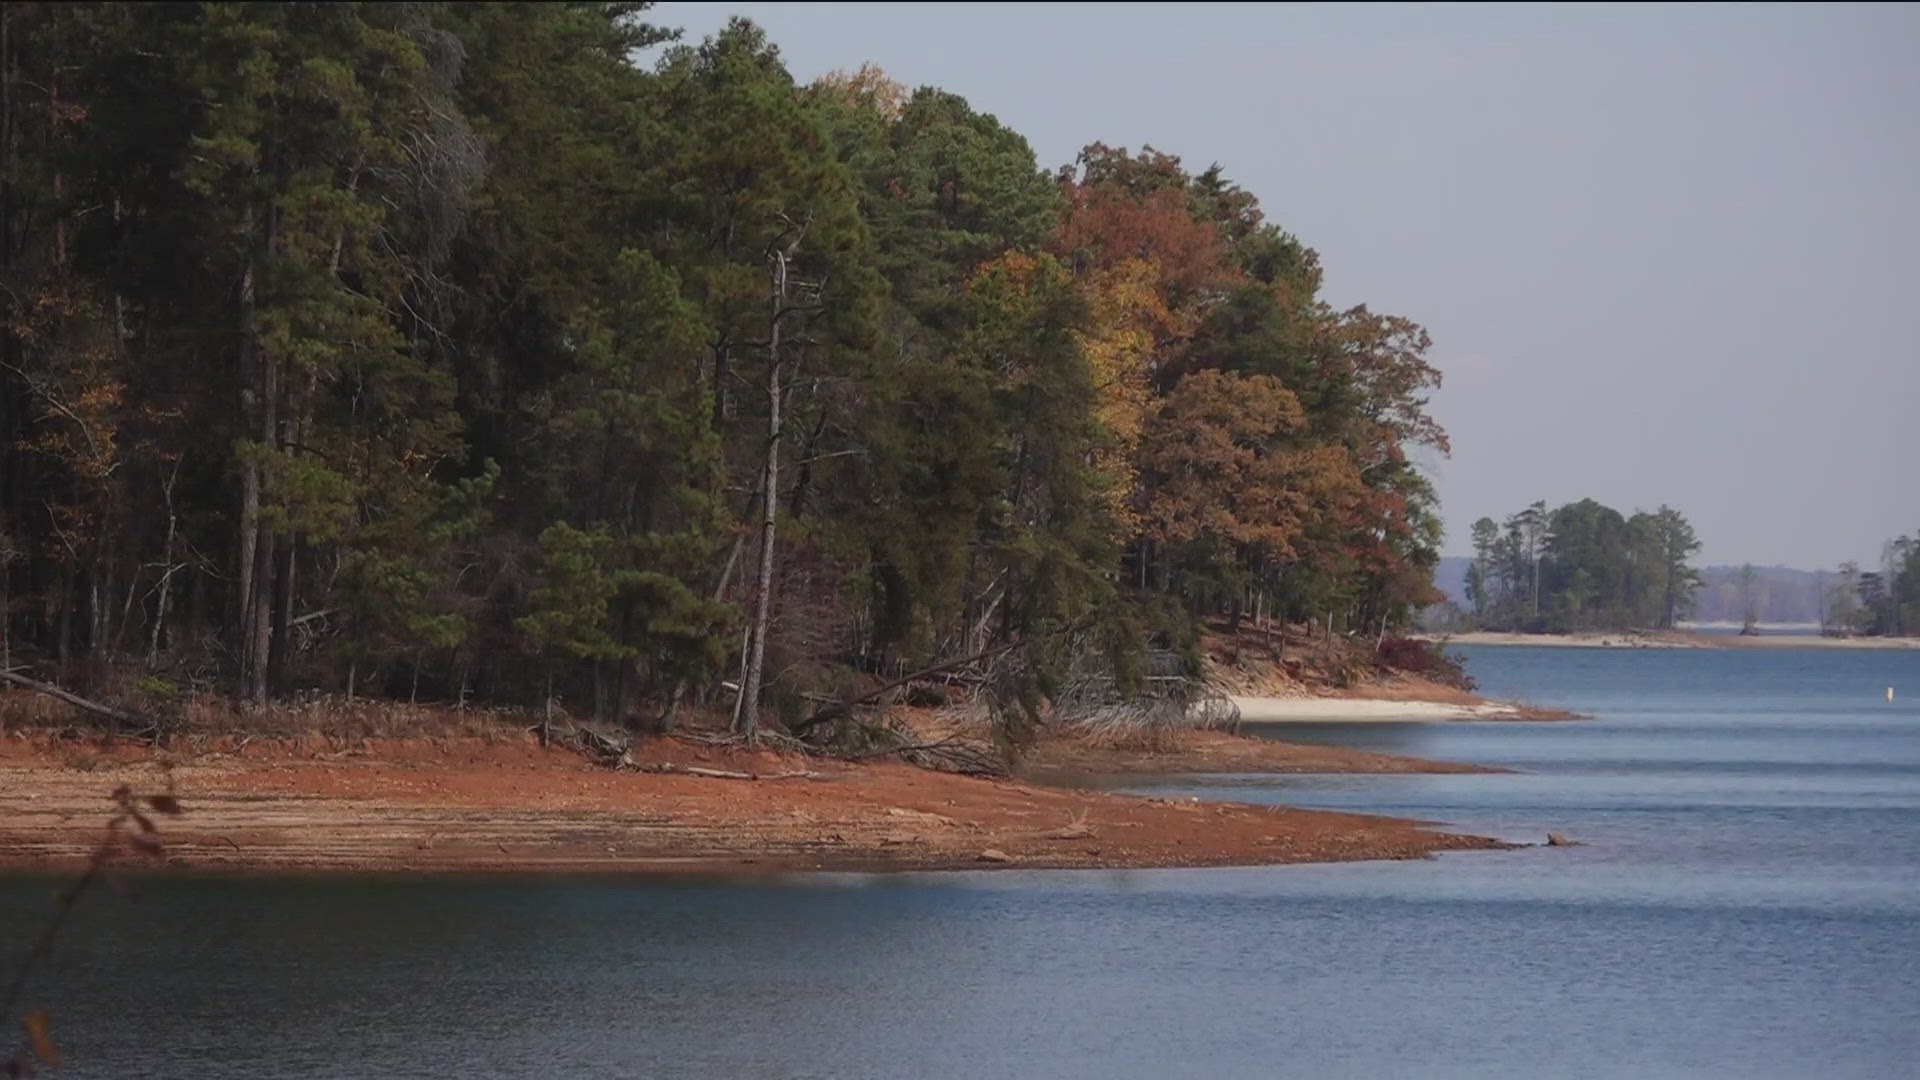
<point x="1427" y="659"/>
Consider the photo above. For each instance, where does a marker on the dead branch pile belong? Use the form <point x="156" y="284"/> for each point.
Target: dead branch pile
<point x="1090" y="698"/>
<point x="608" y="745"/>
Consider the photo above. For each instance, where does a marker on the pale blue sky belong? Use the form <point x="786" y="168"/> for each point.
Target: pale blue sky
<point x="1667" y="254"/>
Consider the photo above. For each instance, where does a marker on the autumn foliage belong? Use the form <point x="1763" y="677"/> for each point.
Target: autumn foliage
<point x="518" y="353"/>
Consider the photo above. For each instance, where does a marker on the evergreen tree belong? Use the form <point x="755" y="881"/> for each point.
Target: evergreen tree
<point x="1585" y="566"/>
<point x="494" y="350"/>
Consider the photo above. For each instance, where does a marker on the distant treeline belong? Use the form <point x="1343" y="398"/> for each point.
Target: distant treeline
<point x="1882" y="601"/>
<point x="1584" y="566"/>
<point x="1771" y="594"/>
<point x="1849" y="600"/>
<point x="512" y="351"/>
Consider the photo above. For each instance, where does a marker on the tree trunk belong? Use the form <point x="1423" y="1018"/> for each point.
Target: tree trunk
<point x="126" y="611"/>
<point x="166" y="574"/>
<point x="277" y="654"/>
<point x="671" y="711"/>
<point x="64" y="637"/>
<point x="260" y="646"/>
<point x="804" y="481"/>
<point x="679" y="691"/>
<point x="260" y="622"/>
<point x="746" y="720"/>
<point x="250" y="403"/>
<point x="6" y="597"/>
<point x="722" y="368"/>
<point x="546" y="717"/>
<point x="96" y="609"/>
<point x="746" y="717"/>
<point x="624" y="675"/>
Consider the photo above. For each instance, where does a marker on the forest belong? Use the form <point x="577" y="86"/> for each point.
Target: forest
<point x="524" y="353"/>
<point x="1584" y="566"/>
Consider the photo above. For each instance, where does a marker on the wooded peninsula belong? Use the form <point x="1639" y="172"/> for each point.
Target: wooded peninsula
<point x="524" y="356"/>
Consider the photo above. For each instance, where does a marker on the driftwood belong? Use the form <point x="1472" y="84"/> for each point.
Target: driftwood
<point x="946" y="755"/>
<point x="141" y="725"/>
<point x="613" y="750"/>
<point x="729" y="774"/>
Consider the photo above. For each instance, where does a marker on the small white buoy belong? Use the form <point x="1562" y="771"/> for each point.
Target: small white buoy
<point x="1889" y="693"/>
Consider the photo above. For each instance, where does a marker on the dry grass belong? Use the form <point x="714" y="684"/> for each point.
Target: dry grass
<point x="211" y="718"/>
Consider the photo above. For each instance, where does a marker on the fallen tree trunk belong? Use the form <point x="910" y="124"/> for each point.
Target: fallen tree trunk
<point x="78" y="702"/>
<point x="731" y="774"/>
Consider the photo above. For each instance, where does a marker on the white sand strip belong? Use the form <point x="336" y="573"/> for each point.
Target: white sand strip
<point x="1306" y="710"/>
<point x="1571" y="641"/>
<point x="1675" y="641"/>
<point x="1810" y="641"/>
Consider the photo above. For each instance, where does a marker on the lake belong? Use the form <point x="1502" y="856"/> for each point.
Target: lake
<point x="1747" y="905"/>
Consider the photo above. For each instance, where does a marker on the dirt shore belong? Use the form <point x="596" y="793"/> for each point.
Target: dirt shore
<point x="478" y="805"/>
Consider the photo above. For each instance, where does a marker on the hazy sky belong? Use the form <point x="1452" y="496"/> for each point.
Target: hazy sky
<point x="1666" y="254"/>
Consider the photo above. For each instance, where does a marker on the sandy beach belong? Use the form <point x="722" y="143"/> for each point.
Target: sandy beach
<point x="1576" y="641"/>
<point x="1676" y="640"/>
<point x="1805" y="641"/>
<point x="1313" y="710"/>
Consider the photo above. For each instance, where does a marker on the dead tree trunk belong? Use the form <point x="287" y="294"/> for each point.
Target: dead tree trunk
<point x="260" y="618"/>
<point x="546" y="715"/>
<point x="746" y="716"/>
<point x="166" y="573"/>
<point x="250" y="403"/>
<point x="75" y="700"/>
<point x="6" y="592"/>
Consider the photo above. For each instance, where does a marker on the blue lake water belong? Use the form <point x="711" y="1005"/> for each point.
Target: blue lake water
<point x="1747" y="905"/>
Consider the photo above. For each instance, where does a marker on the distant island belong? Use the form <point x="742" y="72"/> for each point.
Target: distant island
<point x="1585" y="568"/>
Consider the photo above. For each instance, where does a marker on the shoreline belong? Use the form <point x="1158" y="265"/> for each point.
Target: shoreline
<point x="1261" y="711"/>
<point x="1215" y="752"/>
<point x="1668" y="640"/>
<point x="480" y="806"/>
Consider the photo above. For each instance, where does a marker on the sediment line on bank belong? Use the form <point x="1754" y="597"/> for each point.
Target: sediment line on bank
<point x="466" y="806"/>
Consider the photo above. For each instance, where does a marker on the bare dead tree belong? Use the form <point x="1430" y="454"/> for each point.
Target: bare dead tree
<point x="781" y="306"/>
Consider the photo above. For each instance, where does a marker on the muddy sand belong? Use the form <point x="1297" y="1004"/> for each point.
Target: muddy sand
<point x="474" y="805"/>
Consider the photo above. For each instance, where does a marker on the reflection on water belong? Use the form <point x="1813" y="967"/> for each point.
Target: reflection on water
<point x="1748" y="906"/>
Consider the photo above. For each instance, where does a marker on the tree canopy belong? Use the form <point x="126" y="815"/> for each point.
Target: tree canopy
<point x="525" y="352"/>
<point x="1584" y="566"/>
